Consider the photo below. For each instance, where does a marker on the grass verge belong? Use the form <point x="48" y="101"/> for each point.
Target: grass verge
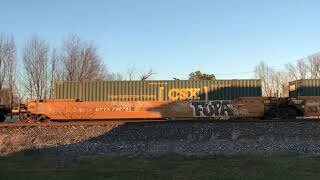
<point x="244" y="166"/>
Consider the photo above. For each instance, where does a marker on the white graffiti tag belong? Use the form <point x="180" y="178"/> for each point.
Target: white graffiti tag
<point x="217" y="108"/>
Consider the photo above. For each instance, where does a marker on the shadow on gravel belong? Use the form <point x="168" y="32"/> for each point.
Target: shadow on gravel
<point x="170" y="137"/>
<point x="169" y="150"/>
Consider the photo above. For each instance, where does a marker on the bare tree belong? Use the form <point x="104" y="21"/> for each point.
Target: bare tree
<point x="274" y="83"/>
<point x="302" y="69"/>
<point x="279" y="84"/>
<point x="35" y="61"/>
<point x="297" y="70"/>
<point x="19" y="88"/>
<point x="264" y="72"/>
<point x="56" y="72"/>
<point x="114" y="77"/>
<point x="81" y="60"/>
<point x="11" y="65"/>
<point x="7" y="63"/>
<point x="314" y="66"/>
<point x="292" y="71"/>
<point x="147" y="75"/>
<point x="131" y="71"/>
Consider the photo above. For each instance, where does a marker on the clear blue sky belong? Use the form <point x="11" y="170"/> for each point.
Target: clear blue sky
<point x="175" y="37"/>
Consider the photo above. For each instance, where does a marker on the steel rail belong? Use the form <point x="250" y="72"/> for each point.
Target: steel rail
<point x="123" y="121"/>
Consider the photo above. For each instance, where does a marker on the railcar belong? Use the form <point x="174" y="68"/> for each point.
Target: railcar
<point x="178" y="100"/>
<point x="72" y="109"/>
<point x="262" y="108"/>
<point x="160" y="90"/>
<point x="168" y="99"/>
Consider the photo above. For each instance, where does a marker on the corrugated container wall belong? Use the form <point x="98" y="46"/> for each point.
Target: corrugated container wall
<point x="167" y="90"/>
<point x="304" y="87"/>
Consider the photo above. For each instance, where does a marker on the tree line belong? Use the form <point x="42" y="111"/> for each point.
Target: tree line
<point x="32" y="74"/>
<point x="275" y="82"/>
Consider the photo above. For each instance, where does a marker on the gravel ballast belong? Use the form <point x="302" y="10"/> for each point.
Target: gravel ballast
<point x="160" y="138"/>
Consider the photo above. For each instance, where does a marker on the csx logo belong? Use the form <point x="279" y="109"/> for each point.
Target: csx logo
<point x="184" y="94"/>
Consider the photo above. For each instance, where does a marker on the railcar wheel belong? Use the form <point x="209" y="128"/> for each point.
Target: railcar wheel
<point x="32" y="118"/>
<point x="22" y="117"/>
<point x="27" y="118"/>
<point x="288" y="113"/>
<point x="2" y="118"/>
<point x="43" y="118"/>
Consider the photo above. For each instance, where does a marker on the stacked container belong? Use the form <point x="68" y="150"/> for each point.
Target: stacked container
<point x="304" y="87"/>
<point x="157" y="90"/>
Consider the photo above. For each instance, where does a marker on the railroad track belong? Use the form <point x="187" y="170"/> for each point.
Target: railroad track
<point x="119" y="122"/>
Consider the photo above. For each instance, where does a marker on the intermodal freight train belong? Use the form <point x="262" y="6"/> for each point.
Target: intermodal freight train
<point x="173" y="99"/>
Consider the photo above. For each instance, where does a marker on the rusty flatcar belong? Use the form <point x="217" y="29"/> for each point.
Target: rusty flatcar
<point x="72" y="109"/>
<point x="224" y="99"/>
<point x="179" y="99"/>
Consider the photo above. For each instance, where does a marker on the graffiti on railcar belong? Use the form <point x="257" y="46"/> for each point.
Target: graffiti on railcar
<point x="72" y="111"/>
<point x="312" y="107"/>
<point x="240" y="112"/>
<point x="217" y="108"/>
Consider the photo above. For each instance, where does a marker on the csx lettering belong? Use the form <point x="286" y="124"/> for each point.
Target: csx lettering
<point x="212" y="109"/>
<point x="184" y="94"/>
